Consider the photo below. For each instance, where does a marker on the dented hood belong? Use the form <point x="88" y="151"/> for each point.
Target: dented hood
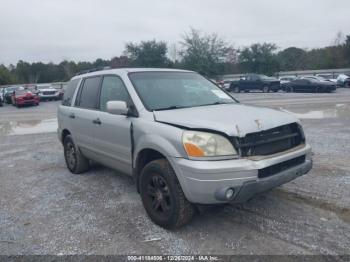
<point x="232" y="119"/>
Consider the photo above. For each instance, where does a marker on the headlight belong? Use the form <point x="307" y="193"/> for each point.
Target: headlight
<point x="202" y="144"/>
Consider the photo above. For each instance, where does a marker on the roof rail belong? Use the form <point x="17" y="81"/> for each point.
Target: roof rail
<point x="93" y="70"/>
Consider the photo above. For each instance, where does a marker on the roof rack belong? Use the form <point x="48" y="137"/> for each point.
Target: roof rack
<point x="93" y="70"/>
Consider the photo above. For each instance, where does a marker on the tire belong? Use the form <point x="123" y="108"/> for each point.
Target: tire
<point x="236" y="89"/>
<point x="75" y="161"/>
<point x="266" y="89"/>
<point x="289" y="89"/>
<point x="162" y="196"/>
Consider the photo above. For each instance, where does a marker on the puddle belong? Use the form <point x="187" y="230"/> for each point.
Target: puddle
<point x="339" y="111"/>
<point x="28" y="127"/>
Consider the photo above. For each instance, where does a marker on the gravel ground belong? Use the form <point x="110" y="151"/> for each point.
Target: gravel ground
<point x="46" y="210"/>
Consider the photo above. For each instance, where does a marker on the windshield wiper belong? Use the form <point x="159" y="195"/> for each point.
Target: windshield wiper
<point x="218" y="103"/>
<point x="170" y="108"/>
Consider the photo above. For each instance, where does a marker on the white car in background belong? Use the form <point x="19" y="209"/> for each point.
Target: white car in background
<point x="329" y="77"/>
<point x="47" y="92"/>
<point x="343" y="80"/>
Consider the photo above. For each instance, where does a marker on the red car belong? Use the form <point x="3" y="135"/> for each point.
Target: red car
<point x="24" y="97"/>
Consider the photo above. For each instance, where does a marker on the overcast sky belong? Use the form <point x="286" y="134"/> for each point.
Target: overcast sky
<point x="54" y="30"/>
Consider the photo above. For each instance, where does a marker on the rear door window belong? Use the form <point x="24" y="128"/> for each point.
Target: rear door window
<point x="69" y="92"/>
<point x="89" y="93"/>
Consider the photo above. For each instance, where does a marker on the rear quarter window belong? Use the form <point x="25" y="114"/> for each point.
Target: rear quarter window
<point x="69" y="92"/>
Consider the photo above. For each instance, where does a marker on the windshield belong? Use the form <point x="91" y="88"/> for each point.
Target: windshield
<point x="264" y="77"/>
<point x="43" y="87"/>
<point x="316" y="78"/>
<point x="172" y="90"/>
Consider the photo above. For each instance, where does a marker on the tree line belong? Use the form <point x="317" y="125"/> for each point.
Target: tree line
<point x="207" y="54"/>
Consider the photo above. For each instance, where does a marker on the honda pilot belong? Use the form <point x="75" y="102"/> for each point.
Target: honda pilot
<point x="184" y="140"/>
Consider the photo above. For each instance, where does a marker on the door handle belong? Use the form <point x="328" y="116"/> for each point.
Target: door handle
<point x="72" y="115"/>
<point x="97" y="121"/>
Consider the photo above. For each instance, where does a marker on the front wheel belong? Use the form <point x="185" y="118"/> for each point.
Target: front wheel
<point x="75" y="161"/>
<point x="236" y="89"/>
<point x="162" y="196"/>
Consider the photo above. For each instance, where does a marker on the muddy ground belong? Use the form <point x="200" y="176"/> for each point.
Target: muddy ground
<point x="44" y="209"/>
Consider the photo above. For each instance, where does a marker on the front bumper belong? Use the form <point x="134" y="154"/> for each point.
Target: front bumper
<point x="54" y="96"/>
<point x="27" y="102"/>
<point x="205" y="182"/>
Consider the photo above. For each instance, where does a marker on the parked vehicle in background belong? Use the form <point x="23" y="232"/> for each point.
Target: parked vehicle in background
<point x="255" y="82"/>
<point x="224" y="84"/>
<point x="1" y="97"/>
<point x="60" y="87"/>
<point x="309" y="84"/>
<point x="286" y="79"/>
<point x="47" y="92"/>
<point x="343" y="80"/>
<point x="8" y="92"/>
<point x="330" y="77"/>
<point x="22" y="97"/>
<point x="220" y="83"/>
<point x="319" y="78"/>
<point x="61" y="90"/>
<point x="170" y="130"/>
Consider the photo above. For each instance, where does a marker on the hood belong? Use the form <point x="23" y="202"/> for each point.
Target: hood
<point x="231" y="119"/>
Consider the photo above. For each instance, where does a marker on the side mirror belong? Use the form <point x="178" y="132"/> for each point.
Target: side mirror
<point x="117" y="108"/>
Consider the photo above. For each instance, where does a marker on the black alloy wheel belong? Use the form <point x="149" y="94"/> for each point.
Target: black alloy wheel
<point x="162" y="196"/>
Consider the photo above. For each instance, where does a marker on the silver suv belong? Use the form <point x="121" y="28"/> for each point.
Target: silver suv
<point x="184" y="140"/>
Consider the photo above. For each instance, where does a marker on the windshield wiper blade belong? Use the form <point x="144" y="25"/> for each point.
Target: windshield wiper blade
<point x="218" y="103"/>
<point x="170" y="108"/>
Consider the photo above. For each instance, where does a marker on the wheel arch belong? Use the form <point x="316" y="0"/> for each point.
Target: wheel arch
<point x="143" y="157"/>
<point x="151" y="147"/>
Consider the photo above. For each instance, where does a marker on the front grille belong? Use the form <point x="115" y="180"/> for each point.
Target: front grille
<point x="275" y="169"/>
<point x="270" y="141"/>
<point x="48" y="93"/>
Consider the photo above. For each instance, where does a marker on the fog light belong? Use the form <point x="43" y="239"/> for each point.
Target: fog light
<point x="229" y="193"/>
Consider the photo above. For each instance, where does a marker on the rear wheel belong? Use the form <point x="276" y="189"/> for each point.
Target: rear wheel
<point x="162" y="196"/>
<point x="75" y="161"/>
<point x="266" y="89"/>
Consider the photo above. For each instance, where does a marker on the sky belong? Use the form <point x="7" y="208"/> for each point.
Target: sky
<point x="84" y="30"/>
